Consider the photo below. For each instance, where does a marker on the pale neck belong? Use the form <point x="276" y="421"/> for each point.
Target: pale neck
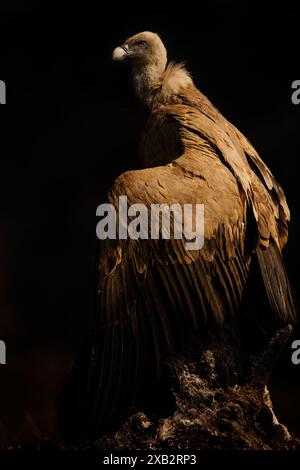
<point x="145" y="79"/>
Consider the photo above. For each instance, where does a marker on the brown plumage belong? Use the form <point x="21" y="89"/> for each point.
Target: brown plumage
<point x="153" y="295"/>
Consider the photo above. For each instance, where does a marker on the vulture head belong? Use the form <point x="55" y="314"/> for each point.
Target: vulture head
<point x="143" y="49"/>
<point x="148" y="57"/>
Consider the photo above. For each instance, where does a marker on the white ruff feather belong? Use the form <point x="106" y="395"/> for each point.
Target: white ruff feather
<point x="175" y="79"/>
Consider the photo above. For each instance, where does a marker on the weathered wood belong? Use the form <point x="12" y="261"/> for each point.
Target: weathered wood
<point x="221" y="401"/>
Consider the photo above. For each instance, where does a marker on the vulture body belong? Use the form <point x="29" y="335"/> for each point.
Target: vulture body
<point x="155" y="295"/>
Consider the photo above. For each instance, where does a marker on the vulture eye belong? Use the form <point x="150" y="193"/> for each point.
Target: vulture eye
<point x="141" y="43"/>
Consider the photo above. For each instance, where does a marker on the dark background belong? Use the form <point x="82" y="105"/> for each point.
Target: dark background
<point x="71" y="126"/>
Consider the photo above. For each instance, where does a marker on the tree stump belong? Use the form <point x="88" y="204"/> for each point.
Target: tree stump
<point x="220" y="400"/>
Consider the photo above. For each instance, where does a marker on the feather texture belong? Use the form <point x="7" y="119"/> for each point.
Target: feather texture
<point x="154" y="294"/>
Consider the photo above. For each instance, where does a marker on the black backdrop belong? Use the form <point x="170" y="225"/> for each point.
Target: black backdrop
<point x="71" y="125"/>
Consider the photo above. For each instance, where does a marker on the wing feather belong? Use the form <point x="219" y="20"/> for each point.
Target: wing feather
<point x="153" y="295"/>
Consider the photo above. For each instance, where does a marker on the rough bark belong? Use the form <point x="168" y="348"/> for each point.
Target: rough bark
<point x="220" y="397"/>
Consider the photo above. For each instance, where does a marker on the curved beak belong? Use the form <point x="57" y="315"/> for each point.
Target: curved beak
<point x="120" y="53"/>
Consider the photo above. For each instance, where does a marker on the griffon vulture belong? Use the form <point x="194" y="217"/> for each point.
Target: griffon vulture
<point x="154" y="295"/>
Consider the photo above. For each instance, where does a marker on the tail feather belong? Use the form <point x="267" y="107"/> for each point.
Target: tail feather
<point x="277" y="284"/>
